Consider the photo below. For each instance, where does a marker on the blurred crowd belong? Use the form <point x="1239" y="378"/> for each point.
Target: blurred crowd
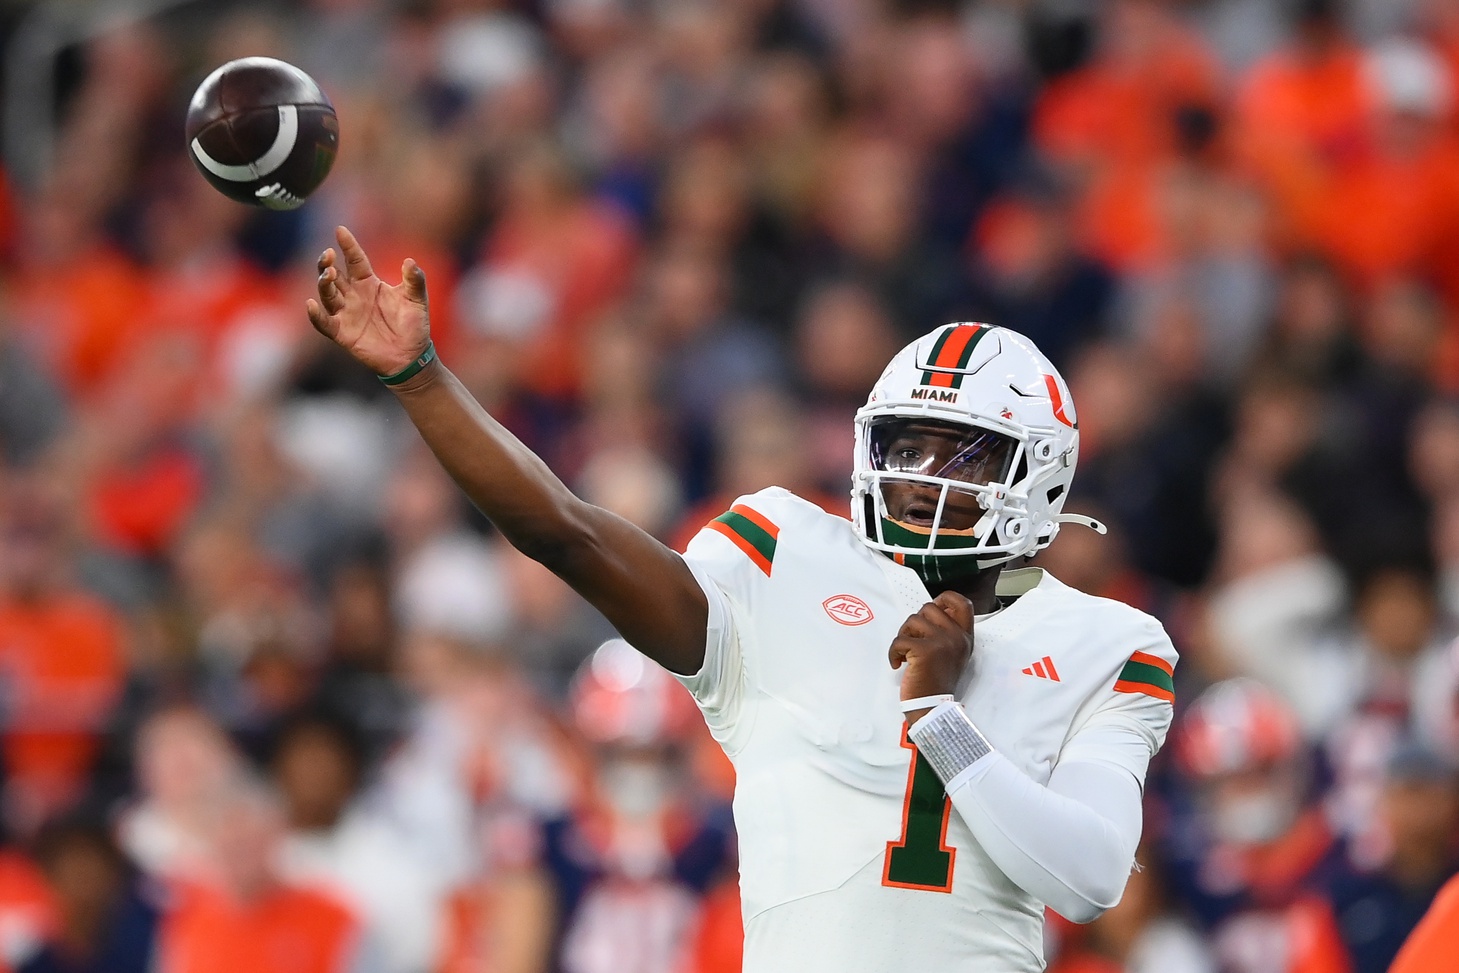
<point x="274" y="697"/>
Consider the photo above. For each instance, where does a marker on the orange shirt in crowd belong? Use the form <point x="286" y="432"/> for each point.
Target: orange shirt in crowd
<point x="574" y="265"/>
<point x="27" y="907"/>
<point x="180" y="320"/>
<point x="1114" y="123"/>
<point x="1382" y="215"/>
<point x="1317" y="104"/>
<point x="719" y="946"/>
<point x="1433" y="946"/>
<point x="139" y="508"/>
<point x="77" y="314"/>
<point x="62" y="668"/>
<point x="289" y="930"/>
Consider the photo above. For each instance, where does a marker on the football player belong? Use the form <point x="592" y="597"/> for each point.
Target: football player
<point x="930" y="748"/>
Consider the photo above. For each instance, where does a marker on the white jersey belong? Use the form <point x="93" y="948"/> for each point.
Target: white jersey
<point x="851" y="857"/>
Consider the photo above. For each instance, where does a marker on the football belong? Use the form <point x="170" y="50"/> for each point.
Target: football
<point x="262" y="132"/>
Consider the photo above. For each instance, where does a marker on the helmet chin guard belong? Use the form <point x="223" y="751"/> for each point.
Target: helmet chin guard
<point x="981" y="392"/>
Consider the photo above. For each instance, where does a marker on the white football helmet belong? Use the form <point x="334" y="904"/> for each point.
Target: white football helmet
<point x="981" y="420"/>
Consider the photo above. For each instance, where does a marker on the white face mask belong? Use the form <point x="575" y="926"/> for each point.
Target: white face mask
<point x="1255" y="818"/>
<point x="636" y="788"/>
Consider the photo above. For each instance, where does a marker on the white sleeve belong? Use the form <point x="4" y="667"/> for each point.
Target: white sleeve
<point x="1070" y="844"/>
<point x="718" y="686"/>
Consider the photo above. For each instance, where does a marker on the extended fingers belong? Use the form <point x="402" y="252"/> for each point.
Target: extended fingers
<point x="357" y="265"/>
<point x="414" y="280"/>
<point x="330" y="293"/>
<point x="320" y="318"/>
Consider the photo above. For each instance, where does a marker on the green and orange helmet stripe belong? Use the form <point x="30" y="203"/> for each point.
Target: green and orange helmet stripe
<point x="952" y="350"/>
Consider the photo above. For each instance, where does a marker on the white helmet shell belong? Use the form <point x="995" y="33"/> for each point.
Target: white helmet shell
<point x="981" y="378"/>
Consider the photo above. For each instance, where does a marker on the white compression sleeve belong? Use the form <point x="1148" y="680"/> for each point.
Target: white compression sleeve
<point x="1070" y="844"/>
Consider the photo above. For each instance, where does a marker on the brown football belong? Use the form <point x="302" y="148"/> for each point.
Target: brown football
<point x="262" y="132"/>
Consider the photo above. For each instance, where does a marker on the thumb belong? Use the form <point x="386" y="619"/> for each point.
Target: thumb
<point x="958" y="608"/>
<point x="414" y="280"/>
<point x="897" y="654"/>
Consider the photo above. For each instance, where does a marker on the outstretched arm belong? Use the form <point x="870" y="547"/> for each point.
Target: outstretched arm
<point x="642" y="587"/>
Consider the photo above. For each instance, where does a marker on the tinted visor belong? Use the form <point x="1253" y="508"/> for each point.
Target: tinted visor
<point x="940" y="449"/>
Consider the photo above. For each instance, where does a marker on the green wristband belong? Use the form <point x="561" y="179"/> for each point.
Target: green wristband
<point x="409" y="371"/>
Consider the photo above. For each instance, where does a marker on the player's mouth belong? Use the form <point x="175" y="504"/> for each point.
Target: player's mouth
<point x="919" y="514"/>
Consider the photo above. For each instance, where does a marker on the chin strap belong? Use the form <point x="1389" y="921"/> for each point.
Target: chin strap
<point x="1083" y="521"/>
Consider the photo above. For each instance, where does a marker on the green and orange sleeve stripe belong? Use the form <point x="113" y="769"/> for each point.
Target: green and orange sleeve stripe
<point x="751" y="532"/>
<point x="1148" y="674"/>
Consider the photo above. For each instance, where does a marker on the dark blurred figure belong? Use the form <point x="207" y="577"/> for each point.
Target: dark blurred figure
<point x="1099" y="564"/>
<point x="1374" y="416"/>
<point x="712" y="354"/>
<point x="1029" y="274"/>
<point x="32" y="406"/>
<point x="1376" y="908"/>
<point x="971" y="128"/>
<point x="843" y="338"/>
<point x="257" y="652"/>
<point x="358" y="679"/>
<point x="708" y="200"/>
<point x="867" y="215"/>
<point x="1312" y="330"/>
<point x="106" y="920"/>
<point x="1146" y="456"/>
<point x="1252" y="859"/>
<point x="338" y="842"/>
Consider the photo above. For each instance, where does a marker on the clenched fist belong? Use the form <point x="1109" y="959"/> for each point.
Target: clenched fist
<point x="936" y="644"/>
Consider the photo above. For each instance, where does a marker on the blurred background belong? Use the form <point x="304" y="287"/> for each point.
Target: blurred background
<point x="273" y="697"/>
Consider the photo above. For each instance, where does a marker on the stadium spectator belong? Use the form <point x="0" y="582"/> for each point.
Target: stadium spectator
<point x="1376" y="908"/>
<point x="1251" y="860"/>
<point x="248" y="917"/>
<point x="338" y="842"/>
<point x="61" y="650"/>
<point x="636" y="857"/>
<point x="106" y="920"/>
<point x="184" y="761"/>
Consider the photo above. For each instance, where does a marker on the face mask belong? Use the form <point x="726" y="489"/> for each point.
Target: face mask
<point x="635" y="788"/>
<point x="1254" y="819"/>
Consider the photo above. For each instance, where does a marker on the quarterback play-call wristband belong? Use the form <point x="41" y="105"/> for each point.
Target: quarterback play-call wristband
<point x="949" y="740"/>
<point x="409" y="371"/>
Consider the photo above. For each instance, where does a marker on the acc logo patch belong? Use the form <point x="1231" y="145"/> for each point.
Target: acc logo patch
<point x="847" y="609"/>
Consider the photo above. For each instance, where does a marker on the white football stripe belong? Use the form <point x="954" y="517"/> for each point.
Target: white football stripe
<point x="284" y="141"/>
